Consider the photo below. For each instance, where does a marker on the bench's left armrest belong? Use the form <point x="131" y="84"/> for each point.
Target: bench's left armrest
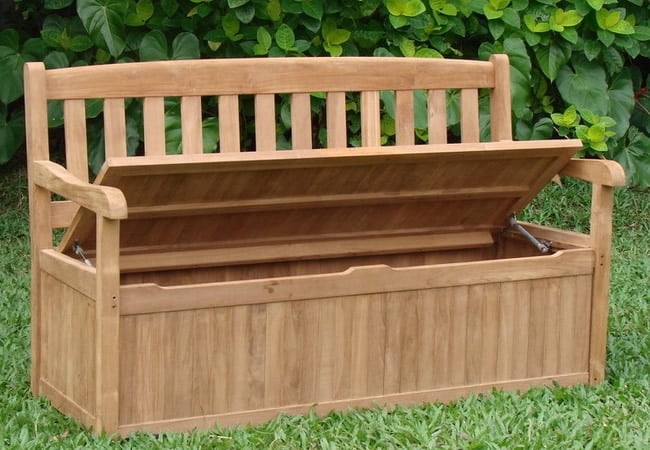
<point x="105" y="201"/>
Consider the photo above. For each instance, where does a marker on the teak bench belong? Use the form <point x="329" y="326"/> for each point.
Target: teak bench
<point x="229" y="287"/>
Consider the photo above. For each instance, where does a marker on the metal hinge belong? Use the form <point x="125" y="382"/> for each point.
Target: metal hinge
<point x="76" y="248"/>
<point x="542" y="245"/>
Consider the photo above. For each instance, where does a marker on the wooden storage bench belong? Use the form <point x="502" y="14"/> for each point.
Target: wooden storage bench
<point x="229" y="287"/>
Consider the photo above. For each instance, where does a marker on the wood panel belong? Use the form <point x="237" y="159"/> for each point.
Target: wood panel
<point x="265" y="123"/>
<point x="229" y="139"/>
<point x="68" y="343"/>
<point x="265" y="76"/>
<point x="154" y="126"/>
<point x="370" y="119"/>
<point x="191" y="125"/>
<point x="114" y="128"/>
<point x="336" y="120"/>
<point x="76" y="141"/>
<point x="404" y="118"/>
<point x="469" y="119"/>
<point x="437" y="116"/>
<point x="301" y="121"/>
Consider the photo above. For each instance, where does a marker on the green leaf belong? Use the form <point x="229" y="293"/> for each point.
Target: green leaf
<point x="407" y="47"/>
<point x="591" y="49"/>
<point x="9" y="38"/>
<point x="496" y="28"/>
<point x="284" y="37"/>
<point x="264" y="37"/>
<point x="144" y="9"/>
<point x="511" y="17"/>
<point x="80" y="43"/>
<point x="596" y="4"/>
<point x="245" y="13"/>
<point x="584" y="85"/>
<point x="237" y="3"/>
<point x="632" y="153"/>
<point x="428" y="53"/>
<point x="491" y="13"/>
<point x="408" y="8"/>
<point x="606" y="37"/>
<point x="12" y="134"/>
<point x="57" y="4"/>
<point x="210" y="134"/>
<point x="104" y="21"/>
<point x="169" y="7"/>
<point x="614" y="60"/>
<point x="274" y="10"/>
<point x="11" y="74"/>
<point x="337" y="36"/>
<point x="153" y="46"/>
<point x="56" y="60"/>
<point x="570" y="34"/>
<point x="186" y="46"/>
<point x="567" y="19"/>
<point x="313" y="8"/>
<point x="642" y="33"/>
<point x="542" y="129"/>
<point x="596" y="134"/>
<point x="230" y="24"/>
<point x="551" y="58"/>
<point x="398" y="22"/>
<point x="621" y="101"/>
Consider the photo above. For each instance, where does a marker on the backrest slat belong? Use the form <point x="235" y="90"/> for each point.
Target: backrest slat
<point x="437" y="109"/>
<point x="336" y="120"/>
<point x="76" y="139"/>
<point x="469" y="124"/>
<point x="370" y="119"/>
<point x="191" y="128"/>
<point x="404" y="118"/>
<point x="265" y="123"/>
<point x="154" y="126"/>
<point x="500" y="112"/>
<point x="114" y="128"/>
<point x="301" y="121"/>
<point x="229" y="124"/>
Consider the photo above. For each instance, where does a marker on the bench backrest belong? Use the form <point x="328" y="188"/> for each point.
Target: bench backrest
<point x="228" y="79"/>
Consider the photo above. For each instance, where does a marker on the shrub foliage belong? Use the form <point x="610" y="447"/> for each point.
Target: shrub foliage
<point x="576" y="64"/>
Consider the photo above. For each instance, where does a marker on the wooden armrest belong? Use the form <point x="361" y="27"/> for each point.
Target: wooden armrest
<point x="599" y="171"/>
<point x="105" y="201"/>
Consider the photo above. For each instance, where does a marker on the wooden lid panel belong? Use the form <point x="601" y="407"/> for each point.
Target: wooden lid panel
<point x="215" y="199"/>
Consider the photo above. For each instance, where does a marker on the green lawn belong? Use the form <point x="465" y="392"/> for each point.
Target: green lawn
<point x="615" y="414"/>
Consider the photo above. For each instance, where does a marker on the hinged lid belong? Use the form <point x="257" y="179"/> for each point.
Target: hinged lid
<point x="188" y="201"/>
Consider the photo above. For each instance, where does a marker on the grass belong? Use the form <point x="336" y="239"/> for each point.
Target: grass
<point x="612" y="415"/>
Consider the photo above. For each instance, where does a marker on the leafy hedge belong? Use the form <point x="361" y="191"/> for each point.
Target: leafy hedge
<point x="576" y="64"/>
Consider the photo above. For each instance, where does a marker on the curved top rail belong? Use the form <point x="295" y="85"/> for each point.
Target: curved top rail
<point x="266" y="76"/>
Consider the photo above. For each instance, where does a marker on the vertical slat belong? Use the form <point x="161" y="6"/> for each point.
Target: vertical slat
<point x="505" y="341"/>
<point x="568" y="360"/>
<point x="500" y="113"/>
<point x="336" y="120"/>
<point x="602" y="201"/>
<point x="265" y="123"/>
<point x="441" y="359"/>
<point x="229" y="123"/>
<point x="458" y="335"/>
<point x="107" y="316"/>
<point x="539" y="289"/>
<point x="404" y="118"/>
<point x="552" y="328"/>
<point x="300" y="121"/>
<point x="437" y="108"/>
<point x="192" y="130"/>
<point x="490" y="332"/>
<point x="370" y="126"/>
<point x="76" y="156"/>
<point x="469" y="126"/>
<point x="154" y="126"/>
<point x="521" y="329"/>
<point x="477" y="296"/>
<point x="39" y="202"/>
<point x="114" y="127"/>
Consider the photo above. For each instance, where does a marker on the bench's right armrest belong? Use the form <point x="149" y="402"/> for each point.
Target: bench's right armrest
<point x="105" y="201"/>
<point x="598" y="171"/>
